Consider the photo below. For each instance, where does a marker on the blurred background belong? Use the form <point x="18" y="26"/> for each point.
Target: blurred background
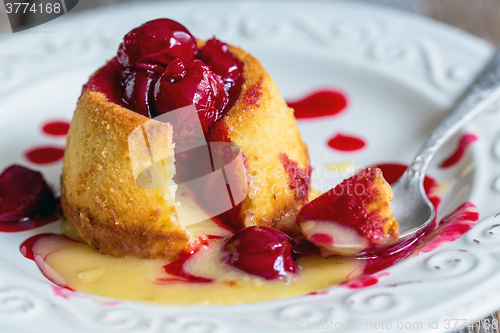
<point x="479" y="17"/>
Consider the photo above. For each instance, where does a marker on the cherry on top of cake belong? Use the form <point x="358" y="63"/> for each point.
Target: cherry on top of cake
<point x="159" y="68"/>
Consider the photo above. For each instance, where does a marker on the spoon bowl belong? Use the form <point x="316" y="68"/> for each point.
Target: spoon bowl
<point x="411" y="207"/>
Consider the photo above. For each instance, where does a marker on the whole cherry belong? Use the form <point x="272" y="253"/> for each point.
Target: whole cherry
<point x="222" y="61"/>
<point x="188" y="81"/>
<point x="262" y="251"/>
<point x="156" y="43"/>
<point x="137" y="86"/>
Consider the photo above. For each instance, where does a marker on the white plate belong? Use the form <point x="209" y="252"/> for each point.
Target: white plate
<point x="400" y="72"/>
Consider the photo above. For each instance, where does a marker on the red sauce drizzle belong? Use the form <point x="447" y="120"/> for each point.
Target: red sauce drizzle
<point x="56" y="128"/>
<point x="325" y="102"/>
<point x="346" y="142"/>
<point x="452" y="227"/>
<point x="176" y="268"/>
<point x="45" y="155"/>
<point x="466" y="140"/>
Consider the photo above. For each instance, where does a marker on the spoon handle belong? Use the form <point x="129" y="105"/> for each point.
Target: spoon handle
<point x="484" y="91"/>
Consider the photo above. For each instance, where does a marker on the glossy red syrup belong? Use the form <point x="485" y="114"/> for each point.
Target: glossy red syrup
<point x="261" y="251"/>
<point x="452" y="227"/>
<point x="346" y="142"/>
<point x="449" y="229"/>
<point x="44" y="155"/>
<point x="325" y="102"/>
<point x="466" y="140"/>
<point x="230" y="219"/>
<point x="58" y="128"/>
<point x="26" y="201"/>
<point x="176" y="268"/>
<point x="299" y="178"/>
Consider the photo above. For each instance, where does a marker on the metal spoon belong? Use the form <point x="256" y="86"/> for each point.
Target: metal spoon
<point x="410" y="205"/>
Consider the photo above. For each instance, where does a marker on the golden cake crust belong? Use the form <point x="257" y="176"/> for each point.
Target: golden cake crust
<point x="100" y="197"/>
<point x="265" y="128"/>
<point x="99" y="194"/>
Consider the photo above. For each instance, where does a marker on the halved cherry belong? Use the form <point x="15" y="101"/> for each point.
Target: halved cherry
<point x="24" y="194"/>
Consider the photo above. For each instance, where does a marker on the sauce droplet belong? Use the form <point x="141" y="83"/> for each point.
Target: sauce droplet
<point x="319" y="104"/>
<point x="346" y="142"/>
<point x="44" y="155"/>
<point x="56" y="128"/>
<point x="466" y="140"/>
